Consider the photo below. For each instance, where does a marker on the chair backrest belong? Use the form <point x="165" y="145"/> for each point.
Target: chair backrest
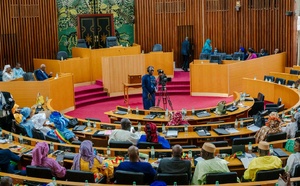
<point x="296" y="72"/>
<point x="157" y="48"/>
<point x="119" y="144"/>
<point x="281" y="80"/>
<point x="28" y="76"/>
<point x="1" y="74"/>
<point x="290" y="83"/>
<point x="297" y="174"/>
<point x="80" y="176"/>
<point x="238" y="56"/>
<point x="226" y="177"/>
<point x="37" y="134"/>
<point x="268" y="174"/>
<point x="61" y="55"/>
<point x="268" y="78"/>
<point x="18" y="129"/>
<point x="81" y="43"/>
<point x="188" y="146"/>
<point x="169" y="179"/>
<point x="111" y="41"/>
<point x="39" y="172"/>
<point x="260" y="97"/>
<point x="50" y="138"/>
<point x="243" y="141"/>
<point x="220" y="143"/>
<point x="128" y="177"/>
<point x="275" y="137"/>
<point x="148" y="145"/>
<point x="237" y="148"/>
<point x="204" y="56"/>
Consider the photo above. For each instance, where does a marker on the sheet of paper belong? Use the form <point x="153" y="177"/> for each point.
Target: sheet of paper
<point x="246" y="161"/>
<point x="232" y="130"/>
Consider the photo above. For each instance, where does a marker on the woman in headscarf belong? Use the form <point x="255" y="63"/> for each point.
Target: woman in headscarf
<point x="273" y="126"/>
<point x="61" y="132"/>
<point x="86" y="160"/>
<point x="292" y="127"/>
<point x="39" y="158"/>
<point x="7" y="73"/>
<point x="26" y="121"/>
<point x="207" y="49"/>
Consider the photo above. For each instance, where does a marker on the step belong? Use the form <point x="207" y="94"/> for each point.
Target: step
<point x="90" y="101"/>
<point x="88" y="88"/>
<point x="90" y="95"/>
<point x="178" y="83"/>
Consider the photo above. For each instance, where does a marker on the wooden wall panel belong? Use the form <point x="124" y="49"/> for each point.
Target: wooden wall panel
<point x="258" y="24"/>
<point x="28" y="30"/>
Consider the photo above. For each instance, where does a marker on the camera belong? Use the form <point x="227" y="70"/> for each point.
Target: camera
<point x="162" y="77"/>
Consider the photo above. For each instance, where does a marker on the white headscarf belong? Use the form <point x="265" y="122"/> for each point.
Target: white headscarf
<point x="6" y="67"/>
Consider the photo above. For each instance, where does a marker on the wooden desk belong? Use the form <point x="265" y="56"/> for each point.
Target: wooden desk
<point x="285" y="76"/>
<point x="126" y="87"/>
<point x="229" y="76"/>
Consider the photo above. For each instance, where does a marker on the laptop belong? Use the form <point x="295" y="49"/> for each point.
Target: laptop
<point x="203" y="132"/>
<point x="221" y="131"/>
<point x="79" y="128"/>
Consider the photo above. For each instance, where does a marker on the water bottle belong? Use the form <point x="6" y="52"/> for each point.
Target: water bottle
<point x="217" y="183"/>
<point x="250" y="147"/>
<point x="51" y="149"/>
<point x="215" y="51"/>
<point x="10" y="138"/>
<point x="239" y="59"/>
<point x="88" y="124"/>
<point x="54" y="181"/>
<point x="163" y="128"/>
<point x="137" y="110"/>
<point x="186" y="129"/>
<point x="175" y="183"/>
<point x="167" y="113"/>
<point x="86" y="183"/>
<point x="242" y="123"/>
<point x="236" y="123"/>
<point x="128" y="109"/>
<point x="56" y="75"/>
<point x="134" y="183"/>
<point x="152" y="153"/>
<point x="139" y="127"/>
<point x="271" y="150"/>
<point x="94" y="125"/>
<point x="293" y="85"/>
<point x="0" y="132"/>
<point x="190" y="154"/>
<point x="61" y="58"/>
<point x="193" y="111"/>
<point x="108" y="151"/>
<point x="21" y="139"/>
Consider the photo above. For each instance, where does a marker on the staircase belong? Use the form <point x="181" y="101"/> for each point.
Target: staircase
<point x="91" y="94"/>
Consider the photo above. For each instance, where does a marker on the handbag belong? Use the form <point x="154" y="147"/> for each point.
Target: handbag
<point x="289" y="146"/>
<point x="72" y="123"/>
<point x="221" y="108"/>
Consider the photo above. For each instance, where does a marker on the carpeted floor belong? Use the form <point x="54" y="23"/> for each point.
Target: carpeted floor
<point x="178" y="102"/>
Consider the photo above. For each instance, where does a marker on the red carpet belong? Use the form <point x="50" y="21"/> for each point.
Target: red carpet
<point x="97" y="106"/>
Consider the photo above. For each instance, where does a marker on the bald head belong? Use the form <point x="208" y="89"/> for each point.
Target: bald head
<point x="43" y="67"/>
<point x="177" y="151"/>
<point x="133" y="153"/>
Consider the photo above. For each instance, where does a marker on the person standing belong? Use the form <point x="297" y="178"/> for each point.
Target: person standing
<point x="185" y="51"/>
<point x="149" y="88"/>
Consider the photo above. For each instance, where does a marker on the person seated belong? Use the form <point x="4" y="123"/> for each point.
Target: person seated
<point x="39" y="121"/>
<point x="136" y="165"/>
<point x="6" y="181"/>
<point x="209" y="164"/>
<point x="26" y="121"/>
<point x="18" y="71"/>
<point x="263" y="162"/>
<point x="263" y="53"/>
<point x="41" y="74"/>
<point x="175" y="165"/>
<point x="242" y="49"/>
<point x="153" y="136"/>
<point x="61" y="132"/>
<point x="273" y="126"/>
<point x="124" y="134"/>
<point x="207" y="48"/>
<point x="7" y="73"/>
<point x="294" y="159"/>
<point x="276" y="51"/>
<point x="293" y="126"/>
<point x="40" y="158"/>
<point x="6" y="157"/>
<point x="87" y="161"/>
<point x="251" y="54"/>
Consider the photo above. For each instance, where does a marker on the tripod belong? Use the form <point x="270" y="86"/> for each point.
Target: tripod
<point x="163" y="94"/>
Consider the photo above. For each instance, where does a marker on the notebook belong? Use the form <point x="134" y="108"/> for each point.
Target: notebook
<point x="150" y="116"/>
<point x="202" y="114"/>
<point x="232" y="130"/>
<point x="79" y="128"/>
<point x="203" y="133"/>
<point x="253" y="128"/>
<point x="280" y="153"/>
<point x="172" y="133"/>
<point x="221" y="131"/>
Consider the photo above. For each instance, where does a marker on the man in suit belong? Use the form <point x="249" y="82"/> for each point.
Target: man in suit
<point x="149" y="88"/>
<point x="6" y="104"/>
<point x="185" y="51"/>
<point x="175" y="165"/>
<point x="41" y="74"/>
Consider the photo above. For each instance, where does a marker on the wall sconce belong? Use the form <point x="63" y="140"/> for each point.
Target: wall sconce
<point x="237" y="5"/>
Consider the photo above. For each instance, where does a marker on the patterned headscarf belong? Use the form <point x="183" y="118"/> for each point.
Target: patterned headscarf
<point x="39" y="153"/>
<point x="87" y="154"/>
